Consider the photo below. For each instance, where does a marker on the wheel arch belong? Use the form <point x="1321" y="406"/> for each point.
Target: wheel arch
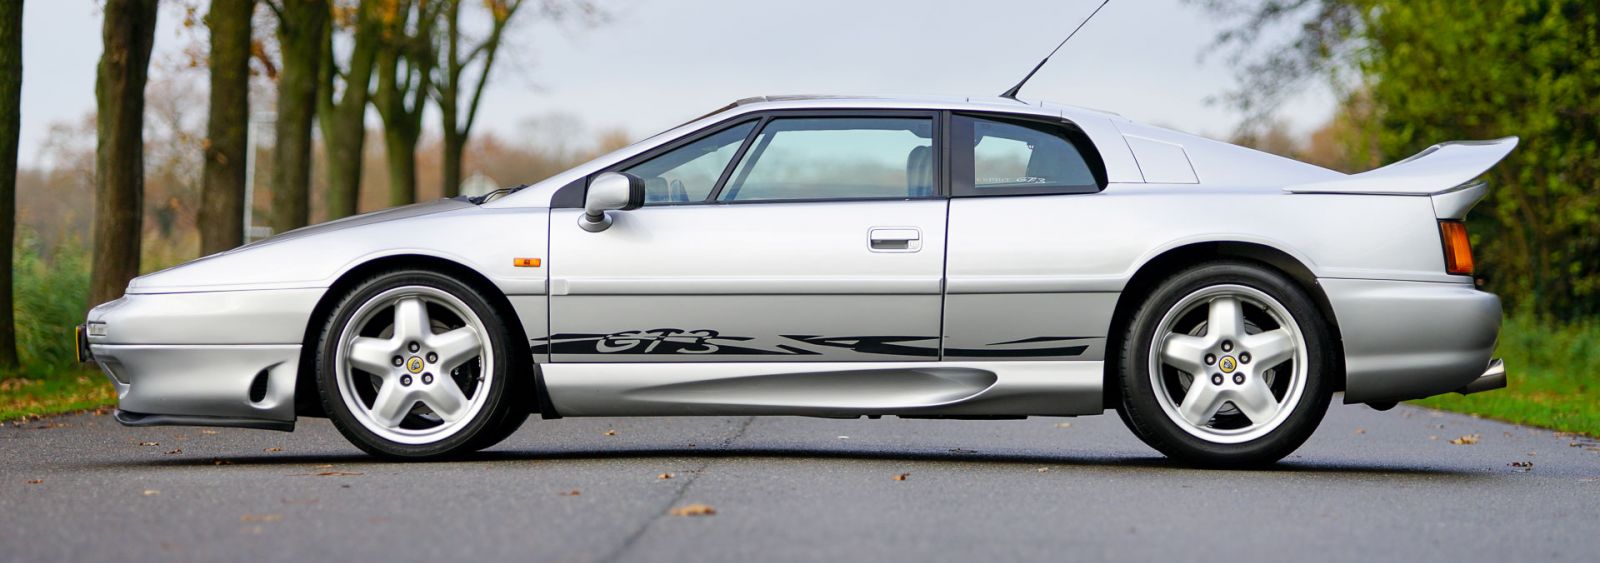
<point x="1172" y="260"/>
<point x="306" y="400"/>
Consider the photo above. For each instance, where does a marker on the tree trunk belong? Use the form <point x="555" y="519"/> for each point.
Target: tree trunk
<point x="128" y="34"/>
<point x="222" y="204"/>
<point x="400" y="148"/>
<point x="454" y="144"/>
<point x="300" y="36"/>
<point x="10" y="127"/>
<point x="405" y="71"/>
<point x="344" y="131"/>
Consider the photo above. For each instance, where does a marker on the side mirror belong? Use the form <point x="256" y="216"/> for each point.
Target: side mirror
<point x="610" y="191"/>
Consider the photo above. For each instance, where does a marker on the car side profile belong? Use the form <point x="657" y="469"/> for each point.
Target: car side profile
<point x="844" y="257"/>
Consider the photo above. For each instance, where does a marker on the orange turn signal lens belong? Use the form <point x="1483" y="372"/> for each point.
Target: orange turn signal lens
<point x="1457" y="251"/>
<point x="525" y="262"/>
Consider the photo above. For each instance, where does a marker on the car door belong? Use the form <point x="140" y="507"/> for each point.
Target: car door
<point x="1016" y="288"/>
<point x="788" y="237"/>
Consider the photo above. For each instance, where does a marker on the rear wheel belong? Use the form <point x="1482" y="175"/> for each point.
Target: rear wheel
<point x="415" y="364"/>
<point x="1226" y="364"/>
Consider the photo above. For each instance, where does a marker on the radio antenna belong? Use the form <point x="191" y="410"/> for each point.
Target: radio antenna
<point x="1012" y="93"/>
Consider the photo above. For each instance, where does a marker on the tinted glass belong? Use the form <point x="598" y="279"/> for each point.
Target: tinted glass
<point x="836" y="158"/>
<point x="1010" y="155"/>
<point x="688" y="173"/>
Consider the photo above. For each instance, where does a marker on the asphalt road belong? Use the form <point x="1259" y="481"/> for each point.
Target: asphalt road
<point x="1369" y="485"/>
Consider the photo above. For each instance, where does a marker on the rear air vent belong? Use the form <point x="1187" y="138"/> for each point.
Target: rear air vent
<point x="258" y="387"/>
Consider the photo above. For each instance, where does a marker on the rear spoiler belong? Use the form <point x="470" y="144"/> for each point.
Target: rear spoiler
<point x="1444" y="171"/>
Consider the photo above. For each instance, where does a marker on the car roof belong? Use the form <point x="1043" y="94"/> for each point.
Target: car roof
<point x="976" y="103"/>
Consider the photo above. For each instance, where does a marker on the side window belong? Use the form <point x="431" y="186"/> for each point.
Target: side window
<point x="836" y="158"/>
<point x="688" y="173"/>
<point x="994" y="157"/>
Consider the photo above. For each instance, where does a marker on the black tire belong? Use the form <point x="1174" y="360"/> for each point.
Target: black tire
<point x="1143" y="412"/>
<point x="499" y="415"/>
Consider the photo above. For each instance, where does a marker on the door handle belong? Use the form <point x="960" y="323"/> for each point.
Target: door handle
<point x="894" y="239"/>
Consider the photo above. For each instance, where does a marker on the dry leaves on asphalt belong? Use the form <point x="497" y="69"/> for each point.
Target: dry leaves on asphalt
<point x="1466" y="440"/>
<point x="664" y="476"/>
<point x="148" y="444"/>
<point x="902" y="476"/>
<point x="611" y="432"/>
<point x="175" y="451"/>
<point x="151" y="492"/>
<point x="35" y="481"/>
<point x="1063" y="425"/>
<point x="1522" y="466"/>
<point x="328" y="474"/>
<point x="695" y="509"/>
<point x="572" y="493"/>
<point x="273" y="449"/>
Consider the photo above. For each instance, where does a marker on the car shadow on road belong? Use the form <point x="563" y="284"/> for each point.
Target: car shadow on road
<point x="1081" y="460"/>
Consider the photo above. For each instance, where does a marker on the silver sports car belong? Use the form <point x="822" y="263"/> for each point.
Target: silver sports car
<point x="844" y="257"/>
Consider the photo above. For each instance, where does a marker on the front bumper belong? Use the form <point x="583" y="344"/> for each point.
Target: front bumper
<point x="209" y="359"/>
<point x="1408" y="340"/>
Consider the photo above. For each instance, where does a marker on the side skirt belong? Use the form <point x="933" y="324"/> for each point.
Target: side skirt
<point x="834" y="389"/>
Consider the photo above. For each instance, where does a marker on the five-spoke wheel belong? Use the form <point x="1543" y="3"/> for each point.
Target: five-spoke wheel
<point x="1223" y="364"/>
<point x="415" y="366"/>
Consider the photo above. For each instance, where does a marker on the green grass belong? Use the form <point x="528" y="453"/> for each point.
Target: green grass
<point x="1554" y="378"/>
<point x="51" y="292"/>
<point x="66" y="391"/>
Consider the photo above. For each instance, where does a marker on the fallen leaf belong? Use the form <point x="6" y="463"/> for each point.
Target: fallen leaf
<point x="176" y="451"/>
<point x="695" y="509"/>
<point x="664" y="476"/>
<point x="902" y="476"/>
<point x="35" y="481"/>
<point x="1523" y="466"/>
<point x="149" y="443"/>
<point x="1361" y="431"/>
<point x="572" y="493"/>
<point x="1043" y="469"/>
<point x="1063" y="425"/>
<point x="261" y="518"/>
<point x="327" y="474"/>
<point x="151" y="492"/>
<point x="273" y="449"/>
<point x="1466" y="440"/>
<point x="611" y="432"/>
<point x="208" y="431"/>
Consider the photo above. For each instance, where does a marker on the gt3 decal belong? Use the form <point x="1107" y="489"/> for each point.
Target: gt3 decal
<point x="655" y="341"/>
<point x="711" y="342"/>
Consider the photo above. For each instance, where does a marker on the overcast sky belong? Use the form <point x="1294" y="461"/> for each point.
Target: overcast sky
<point x="659" y="62"/>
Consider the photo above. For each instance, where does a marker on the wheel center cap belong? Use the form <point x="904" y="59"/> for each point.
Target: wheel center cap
<point x="1228" y="364"/>
<point x="414" y="365"/>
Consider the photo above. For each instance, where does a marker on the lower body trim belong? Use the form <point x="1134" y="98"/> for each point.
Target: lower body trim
<point x="137" y="419"/>
<point x="835" y="389"/>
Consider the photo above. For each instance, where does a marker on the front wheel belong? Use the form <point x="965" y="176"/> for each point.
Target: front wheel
<point x="415" y="364"/>
<point x="1226" y="364"/>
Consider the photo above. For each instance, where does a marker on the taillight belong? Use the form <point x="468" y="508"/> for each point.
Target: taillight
<point x="1457" y="251"/>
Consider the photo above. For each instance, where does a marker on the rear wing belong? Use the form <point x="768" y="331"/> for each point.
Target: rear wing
<point x="1444" y="171"/>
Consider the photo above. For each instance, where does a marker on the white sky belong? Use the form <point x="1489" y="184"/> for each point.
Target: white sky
<point x="659" y="62"/>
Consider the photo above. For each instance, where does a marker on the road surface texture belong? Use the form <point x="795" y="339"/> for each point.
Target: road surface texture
<point x="1368" y="486"/>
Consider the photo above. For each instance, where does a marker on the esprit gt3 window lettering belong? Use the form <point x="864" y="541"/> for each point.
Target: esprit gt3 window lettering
<point x="994" y="157"/>
<point x="836" y="158"/>
<point x="688" y="173"/>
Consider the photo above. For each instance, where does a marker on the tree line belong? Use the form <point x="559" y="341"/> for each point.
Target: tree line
<point x="332" y="61"/>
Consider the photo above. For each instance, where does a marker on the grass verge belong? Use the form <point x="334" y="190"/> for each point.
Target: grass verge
<point x="1554" y="378"/>
<point x="66" y="391"/>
